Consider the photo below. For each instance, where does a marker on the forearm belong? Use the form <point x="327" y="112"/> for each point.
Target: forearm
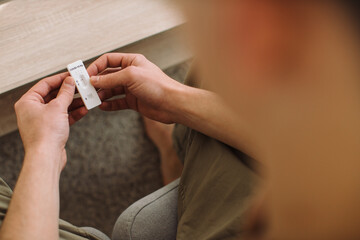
<point x="34" y="209"/>
<point x="207" y="113"/>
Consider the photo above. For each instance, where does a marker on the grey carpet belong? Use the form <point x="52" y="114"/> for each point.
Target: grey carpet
<point x="111" y="164"/>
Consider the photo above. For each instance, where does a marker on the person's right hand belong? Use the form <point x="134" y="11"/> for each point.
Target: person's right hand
<point x="147" y="89"/>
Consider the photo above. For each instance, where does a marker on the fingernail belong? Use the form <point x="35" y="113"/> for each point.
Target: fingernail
<point x="94" y="79"/>
<point x="69" y="81"/>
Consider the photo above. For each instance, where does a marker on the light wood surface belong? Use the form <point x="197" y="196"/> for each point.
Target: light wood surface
<point x="39" y="37"/>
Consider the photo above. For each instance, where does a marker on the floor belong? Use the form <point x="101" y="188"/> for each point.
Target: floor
<point x="111" y="164"/>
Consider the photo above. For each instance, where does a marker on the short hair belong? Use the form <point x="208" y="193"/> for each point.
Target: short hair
<point x="353" y="7"/>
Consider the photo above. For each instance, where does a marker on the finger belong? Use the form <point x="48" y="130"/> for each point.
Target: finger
<point x="77" y="114"/>
<point x="45" y="86"/>
<point x="110" y="70"/>
<point x="106" y="94"/>
<point x="66" y="92"/>
<point x="76" y="103"/>
<point x="103" y="95"/>
<point x="51" y="96"/>
<point x="114" y="80"/>
<point x="113" y="60"/>
<point x="114" y="105"/>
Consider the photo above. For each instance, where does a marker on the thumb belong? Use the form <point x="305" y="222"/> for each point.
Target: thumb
<point x="112" y="80"/>
<point x="66" y="92"/>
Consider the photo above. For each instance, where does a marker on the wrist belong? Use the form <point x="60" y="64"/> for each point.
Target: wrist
<point x="43" y="156"/>
<point x="44" y="146"/>
<point x="187" y="103"/>
<point x="177" y="102"/>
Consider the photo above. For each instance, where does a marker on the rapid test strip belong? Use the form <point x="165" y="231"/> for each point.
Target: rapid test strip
<point x="82" y="80"/>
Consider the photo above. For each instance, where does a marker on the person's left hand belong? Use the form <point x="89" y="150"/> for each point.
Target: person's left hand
<point x="44" y="115"/>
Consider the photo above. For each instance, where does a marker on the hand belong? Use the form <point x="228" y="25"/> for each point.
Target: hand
<point x="43" y="114"/>
<point x="147" y="89"/>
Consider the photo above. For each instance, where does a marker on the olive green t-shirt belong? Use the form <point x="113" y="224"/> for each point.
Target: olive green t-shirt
<point x="215" y="188"/>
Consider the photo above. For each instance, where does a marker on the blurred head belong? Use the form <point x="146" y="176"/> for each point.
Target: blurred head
<point x="247" y="50"/>
<point x="246" y="47"/>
